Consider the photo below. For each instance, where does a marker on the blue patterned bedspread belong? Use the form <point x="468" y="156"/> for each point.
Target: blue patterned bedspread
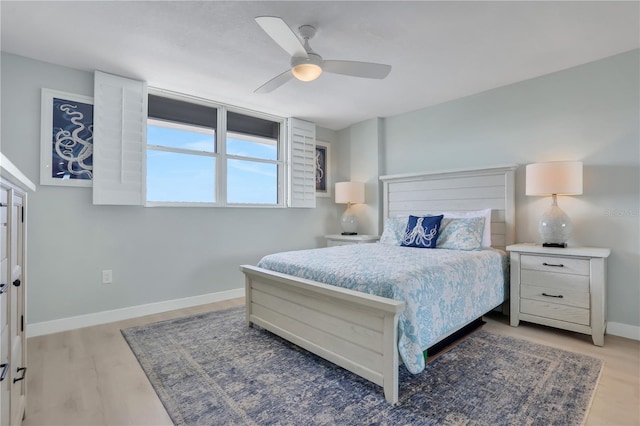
<point x="442" y="289"/>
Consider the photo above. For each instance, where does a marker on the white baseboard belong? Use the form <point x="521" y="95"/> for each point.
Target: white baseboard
<point x="71" y="323"/>
<point x="624" y="330"/>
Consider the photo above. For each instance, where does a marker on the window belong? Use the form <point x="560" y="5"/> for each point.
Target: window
<point x="204" y="154"/>
<point x="198" y="153"/>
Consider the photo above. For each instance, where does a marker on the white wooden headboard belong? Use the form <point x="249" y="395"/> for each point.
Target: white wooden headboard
<point x="456" y="190"/>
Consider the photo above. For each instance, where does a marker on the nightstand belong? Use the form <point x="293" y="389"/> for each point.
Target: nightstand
<point x="345" y="240"/>
<point x="560" y="287"/>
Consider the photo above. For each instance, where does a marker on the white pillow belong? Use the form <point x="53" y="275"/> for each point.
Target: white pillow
<point x="486" y="213"/>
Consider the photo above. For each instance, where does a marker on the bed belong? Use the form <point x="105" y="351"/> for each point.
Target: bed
<point x="363" y="332"/>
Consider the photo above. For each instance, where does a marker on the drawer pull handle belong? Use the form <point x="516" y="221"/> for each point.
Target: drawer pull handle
<point x="558" y="265"/>
<point x="5" y="370"/>
<point x="3" y="288"/>
<point x="17" y="282"/>
<point x="559" y="296"/>
<point x="24" y="373"/>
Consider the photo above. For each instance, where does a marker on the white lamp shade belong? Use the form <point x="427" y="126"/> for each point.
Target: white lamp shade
<point x="558" y="177"/>
<point x="349" y="192"/>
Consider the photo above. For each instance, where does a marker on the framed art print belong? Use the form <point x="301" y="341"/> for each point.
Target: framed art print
<point x="66" y="145"/>
<point x="323" y="185"/>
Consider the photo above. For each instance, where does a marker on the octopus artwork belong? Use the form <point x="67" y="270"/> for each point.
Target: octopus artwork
<point x="72" y="139"/>
<point x="418" y="235"/>
<point x="321" y="163"/>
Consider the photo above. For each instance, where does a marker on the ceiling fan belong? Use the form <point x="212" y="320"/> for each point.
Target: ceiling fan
<point x="306" y="65"/>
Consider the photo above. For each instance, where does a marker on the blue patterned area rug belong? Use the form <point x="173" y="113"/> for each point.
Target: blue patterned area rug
<point x="212" y="369"/>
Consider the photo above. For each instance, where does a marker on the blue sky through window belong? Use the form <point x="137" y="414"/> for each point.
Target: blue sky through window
<point x="245" y="148"/>
<point x="188" y="177"/>
<point x="182" y="136"/>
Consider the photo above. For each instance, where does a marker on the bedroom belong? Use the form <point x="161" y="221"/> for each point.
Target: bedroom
<point x="585" y="111"/>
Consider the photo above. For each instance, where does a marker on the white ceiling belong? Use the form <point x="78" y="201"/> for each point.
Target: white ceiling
<point x="439" y="50"/>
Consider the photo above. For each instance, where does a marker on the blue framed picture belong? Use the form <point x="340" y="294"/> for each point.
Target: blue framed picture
<point x="323" y="186"/>
<point x="66" y="149"/>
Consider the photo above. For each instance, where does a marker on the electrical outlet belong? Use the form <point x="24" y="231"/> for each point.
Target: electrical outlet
<point x="107" y="276"/>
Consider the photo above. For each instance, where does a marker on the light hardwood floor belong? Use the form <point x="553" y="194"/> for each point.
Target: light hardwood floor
<point x="90" y="377"/>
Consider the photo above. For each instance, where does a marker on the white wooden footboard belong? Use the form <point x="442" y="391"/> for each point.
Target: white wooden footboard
<point x="354" y="330"/>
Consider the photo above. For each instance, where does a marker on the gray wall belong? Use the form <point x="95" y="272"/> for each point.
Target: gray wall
<point x="588" y="113"/>
<point x="361" y="162"/>
<point x="156" y="254"/>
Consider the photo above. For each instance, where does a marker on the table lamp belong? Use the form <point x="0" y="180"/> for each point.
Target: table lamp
<point x="554" y="178"/>
<point x="349" y="193"/>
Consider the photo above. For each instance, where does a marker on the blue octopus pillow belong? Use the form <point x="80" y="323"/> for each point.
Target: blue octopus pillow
<point x="421" y="231"/>
<point x="461" y="233"/>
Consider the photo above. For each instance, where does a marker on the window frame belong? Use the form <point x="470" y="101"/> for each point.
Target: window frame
<point x="221" y="157"/>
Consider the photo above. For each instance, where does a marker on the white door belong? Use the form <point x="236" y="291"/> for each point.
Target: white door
<point x="16" y="312"/>
<point x="5" y="286"/>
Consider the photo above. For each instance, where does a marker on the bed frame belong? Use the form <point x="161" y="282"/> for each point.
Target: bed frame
<point x="358" y="331"/>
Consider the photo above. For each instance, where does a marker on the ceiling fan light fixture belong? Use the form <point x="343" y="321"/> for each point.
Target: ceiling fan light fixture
<point x="307" y="68"/>
<point x="306" y="65"/>
<point x="306" y="72"/>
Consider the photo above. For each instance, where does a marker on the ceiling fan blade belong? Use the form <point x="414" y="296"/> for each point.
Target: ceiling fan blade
<point x="357" y="69"/>
<point x="275" y="82"/>
<point x="280" y="32"/>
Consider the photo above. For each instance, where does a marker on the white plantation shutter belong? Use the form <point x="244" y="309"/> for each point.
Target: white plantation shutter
<point x="302" y="163"/>
<point x="119" y="140"/>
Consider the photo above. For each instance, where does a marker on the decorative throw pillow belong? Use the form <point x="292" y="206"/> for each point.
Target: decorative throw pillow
<point x="486" y="213"/>
<point x="421" y="231"/>
<point x="394" y="228"/>
<point x="461" y="233"/>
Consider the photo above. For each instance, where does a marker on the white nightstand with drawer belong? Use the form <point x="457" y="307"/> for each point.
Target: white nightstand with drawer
<point x="560" y="287"/>
<point x="344" y="240"/>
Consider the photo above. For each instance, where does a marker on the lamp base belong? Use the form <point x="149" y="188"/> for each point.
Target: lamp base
<point x="556" y="245"/>
<point x="554" y="226"/>
<point x="349" y="222"/>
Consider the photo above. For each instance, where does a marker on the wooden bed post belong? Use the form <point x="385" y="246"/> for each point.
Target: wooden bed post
<point x="247" y="298"/>
<point x="391" y="361"/>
